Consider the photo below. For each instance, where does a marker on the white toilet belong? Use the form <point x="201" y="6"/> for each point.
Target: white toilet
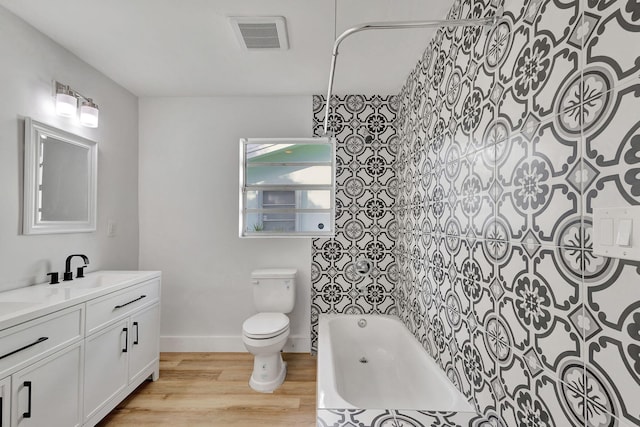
<point x="265" y="334"/>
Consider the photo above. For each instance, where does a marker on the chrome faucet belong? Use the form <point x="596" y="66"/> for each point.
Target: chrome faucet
<point x="67" y="270"/>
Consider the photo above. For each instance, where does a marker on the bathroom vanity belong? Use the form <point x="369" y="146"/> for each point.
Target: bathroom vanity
<point x="70" y="352"/>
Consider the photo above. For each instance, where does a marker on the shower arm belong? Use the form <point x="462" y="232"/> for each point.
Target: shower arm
<point x="396" y="25"/>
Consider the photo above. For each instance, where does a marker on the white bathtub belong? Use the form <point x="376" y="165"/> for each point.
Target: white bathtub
<point x="379" y="366"/>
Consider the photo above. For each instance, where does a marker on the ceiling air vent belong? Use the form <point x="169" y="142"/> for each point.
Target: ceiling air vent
<point x="260" y="32"/>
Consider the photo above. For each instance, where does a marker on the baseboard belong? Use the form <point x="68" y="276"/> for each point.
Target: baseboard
<point x="188" y="344"/>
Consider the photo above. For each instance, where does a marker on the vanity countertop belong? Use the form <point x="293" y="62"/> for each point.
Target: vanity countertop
<point x="22" y="304"/>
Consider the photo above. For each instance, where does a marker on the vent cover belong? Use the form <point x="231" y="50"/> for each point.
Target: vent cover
<point x="260" y="32"/>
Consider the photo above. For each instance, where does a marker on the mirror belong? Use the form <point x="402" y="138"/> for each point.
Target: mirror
<point x="287" y="187"/>
<point x="60" y="181"/>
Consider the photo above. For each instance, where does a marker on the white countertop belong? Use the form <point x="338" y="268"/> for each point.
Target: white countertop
<point x="23" y="304"/>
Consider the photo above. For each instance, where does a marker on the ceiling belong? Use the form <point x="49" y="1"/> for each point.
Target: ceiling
<point x="188" y="47"/>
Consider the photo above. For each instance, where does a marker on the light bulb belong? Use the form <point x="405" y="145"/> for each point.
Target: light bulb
<point x="66" y="105"/>
<point x="89" y="114"/>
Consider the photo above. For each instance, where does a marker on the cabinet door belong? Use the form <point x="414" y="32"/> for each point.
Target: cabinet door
<point x="48" y="392"/>
<point x="5" y="402"/>
<point x="144" y="340"/>
<point x="105" y="366"/>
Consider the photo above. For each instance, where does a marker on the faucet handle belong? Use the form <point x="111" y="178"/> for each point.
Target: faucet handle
<point x="80" y="272"/>
<point x="54" y="278"/>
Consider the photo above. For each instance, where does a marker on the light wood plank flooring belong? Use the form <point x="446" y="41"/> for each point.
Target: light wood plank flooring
<point x="212" y="389"/>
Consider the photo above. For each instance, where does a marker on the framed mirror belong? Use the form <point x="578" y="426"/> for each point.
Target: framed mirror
<point x="287" y="187"/>
<point x="60" y="181"/>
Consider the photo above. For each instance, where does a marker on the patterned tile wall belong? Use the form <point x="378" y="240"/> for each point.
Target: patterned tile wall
<point x="397" y="418"/>
<point x="366" y="186"/>
<point x="508" y="139"/>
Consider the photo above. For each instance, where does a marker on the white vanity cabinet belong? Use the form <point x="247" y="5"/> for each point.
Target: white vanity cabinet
<point x="105" y="374"/>
<point x="48" y="392"/>
<point x="144" y="343"/>
<point x="70" y="357"/>
<point x="37" y="354"/>
<point x="122" y="346"/>
<point x="119" y="357"/>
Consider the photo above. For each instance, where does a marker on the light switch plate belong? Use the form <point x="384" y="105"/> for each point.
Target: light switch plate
<point x="111" y="228"/>
<point x="610" y="225"/>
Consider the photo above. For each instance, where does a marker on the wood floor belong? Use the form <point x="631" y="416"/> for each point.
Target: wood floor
<point x="212" y="389"/>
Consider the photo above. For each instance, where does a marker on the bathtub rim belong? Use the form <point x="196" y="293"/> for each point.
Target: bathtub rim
<point x="326" y="383"/>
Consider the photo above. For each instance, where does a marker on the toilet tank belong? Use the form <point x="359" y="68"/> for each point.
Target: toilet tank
<point x="274" y="289"/>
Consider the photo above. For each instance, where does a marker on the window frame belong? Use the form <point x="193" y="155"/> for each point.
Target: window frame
<point x="243" y="230"/>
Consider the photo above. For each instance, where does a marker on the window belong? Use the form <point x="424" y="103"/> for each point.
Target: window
<point x="287" y="187"/>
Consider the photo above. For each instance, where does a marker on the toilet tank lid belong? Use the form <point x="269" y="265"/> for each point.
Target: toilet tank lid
<point x="274" y="273"/>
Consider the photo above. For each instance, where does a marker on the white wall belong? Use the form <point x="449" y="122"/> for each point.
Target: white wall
<point x="30" y="61"/>
<point x="189" y="169"/>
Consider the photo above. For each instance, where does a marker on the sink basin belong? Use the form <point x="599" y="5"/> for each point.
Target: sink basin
<point x="29" y="297"/>
<point x="100" y="279"/>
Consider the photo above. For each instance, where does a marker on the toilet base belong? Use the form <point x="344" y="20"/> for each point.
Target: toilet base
<point x="268" y="373"/>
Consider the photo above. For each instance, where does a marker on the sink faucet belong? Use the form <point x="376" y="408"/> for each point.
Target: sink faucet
<point x="67" y="270"/>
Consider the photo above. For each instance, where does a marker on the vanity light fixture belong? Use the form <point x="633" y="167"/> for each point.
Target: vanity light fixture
<point x="67" y="104"/>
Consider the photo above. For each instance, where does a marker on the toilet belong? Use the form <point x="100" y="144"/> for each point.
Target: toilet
<point x="264" y="334"/>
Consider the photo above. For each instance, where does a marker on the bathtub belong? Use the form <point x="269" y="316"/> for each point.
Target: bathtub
<point x="379" y="366"/>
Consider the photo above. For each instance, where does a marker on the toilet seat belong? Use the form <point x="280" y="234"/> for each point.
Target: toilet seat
<point x="265" y="325"/>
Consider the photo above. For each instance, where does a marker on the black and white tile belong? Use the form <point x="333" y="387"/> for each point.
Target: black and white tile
<point x="399" y="418"/>
<point x="505" y="147"/>
<point x="366" y="224"/>
<point x="474" y="190"/>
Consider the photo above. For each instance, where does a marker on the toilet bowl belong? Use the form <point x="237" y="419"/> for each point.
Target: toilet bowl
<point x="264" y="335"/>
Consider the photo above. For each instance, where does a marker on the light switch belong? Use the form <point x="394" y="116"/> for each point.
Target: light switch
<point x="614" y="234"/>
<point x="606" y="231"/>
<point x="623" y="237"/>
